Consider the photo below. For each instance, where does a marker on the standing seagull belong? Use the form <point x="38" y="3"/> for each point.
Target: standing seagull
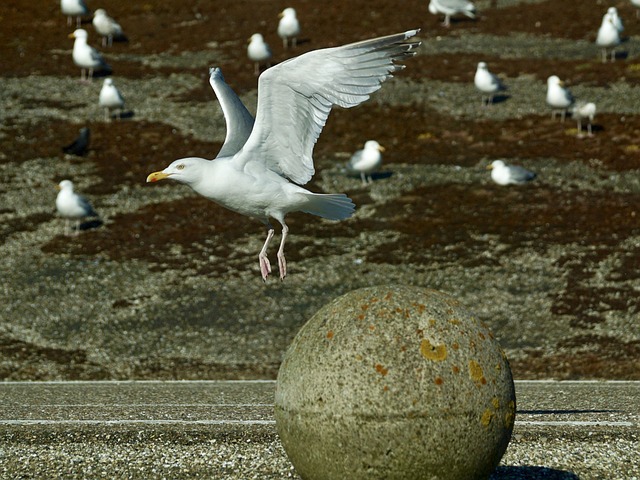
<point x="366" y="161"/>
<point x="487" y="82"/>
<point x="70" y="205"/>
<point x="504" y="174"/>
<point x="259" y="170"/>
<point x="584" y="110"/>
<point x="110" y="97"/>
<point x="558" y="97"/>
<point x="452" y="7"/>
<point x="85" y="56"/>
<point x="608" y="36"/>
<point x="258" y="52"/>
<point x="288" y="27"/>
<point x="107" y="27"/>
<point x="74" y="8"/>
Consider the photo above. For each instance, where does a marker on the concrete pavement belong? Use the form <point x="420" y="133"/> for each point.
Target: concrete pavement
<point x="226" y="430"/>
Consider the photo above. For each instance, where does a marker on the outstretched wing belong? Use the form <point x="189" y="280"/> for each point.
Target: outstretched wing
<point x="296" y="97"/>
<point x="238" y="119"/>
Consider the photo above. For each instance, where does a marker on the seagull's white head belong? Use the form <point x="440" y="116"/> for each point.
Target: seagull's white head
<point x="553" y="80"/>
<point x="288" y="12"/>
<point x="373" y="145"/>
<point x="100" y="12"/>
<point x="184" y="170"/>
<point x="256" y="37"/>
<point x="66" y="185"/>
<point x="496" y="164"/>
<point x="108" y="82"/>
<point x="482" y="66"/>
<point x="80" y="33"/>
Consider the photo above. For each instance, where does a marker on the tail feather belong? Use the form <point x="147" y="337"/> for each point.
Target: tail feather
<point x="334" y="206"/>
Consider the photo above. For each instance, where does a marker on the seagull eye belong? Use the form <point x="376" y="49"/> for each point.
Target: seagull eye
<point x="181" y="166"/>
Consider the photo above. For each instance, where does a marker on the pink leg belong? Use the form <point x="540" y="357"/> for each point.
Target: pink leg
<point x="265" y="266"/>
<point x="282" y="263"/>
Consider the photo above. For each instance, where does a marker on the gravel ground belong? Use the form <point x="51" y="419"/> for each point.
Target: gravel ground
<point x="167" y="287"/>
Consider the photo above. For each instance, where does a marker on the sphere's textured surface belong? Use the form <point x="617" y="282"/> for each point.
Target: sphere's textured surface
<point x="394" y="382"/>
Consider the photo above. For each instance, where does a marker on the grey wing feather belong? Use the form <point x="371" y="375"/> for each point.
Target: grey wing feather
<point x="296" y="96"/>
<point x="498" y="82"/>
<point x="86" y="206"/>
<point x="238" y="119"/>
<point x="520" y="174"/>
<point x="355" y="158"/>
<point x="95" y="55"/>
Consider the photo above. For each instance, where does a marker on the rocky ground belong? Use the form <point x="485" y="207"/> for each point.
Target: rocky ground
<point x="167" y="284"/>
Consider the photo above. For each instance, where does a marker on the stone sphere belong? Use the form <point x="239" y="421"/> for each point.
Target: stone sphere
<point x="394" y="382"/>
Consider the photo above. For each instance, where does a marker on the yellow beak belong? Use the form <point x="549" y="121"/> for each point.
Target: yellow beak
<point x="156" y="177"/>
<point x="71" y="35"/>
<point x="381" y="148"/>
<point x="490" y="167"/>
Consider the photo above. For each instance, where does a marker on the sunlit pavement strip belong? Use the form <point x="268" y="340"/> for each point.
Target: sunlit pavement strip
<point x="226" y="430"/>
<point x="576" y="404"/>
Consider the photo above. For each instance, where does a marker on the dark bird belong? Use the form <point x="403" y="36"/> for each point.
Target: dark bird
<point x="80" y="145"/>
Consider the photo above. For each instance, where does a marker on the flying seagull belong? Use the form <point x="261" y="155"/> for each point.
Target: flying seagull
<point x="261" y="165"/>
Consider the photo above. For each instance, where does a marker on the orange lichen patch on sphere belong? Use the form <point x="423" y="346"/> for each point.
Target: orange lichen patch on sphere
<point x="476" y="373"/>
<point x="381" y="370"/>
<point x="510" y="415"/>
<point x="330" y="334"/>
<point x="388" y="296"/>
<point x="455" y="369"/>
<point x="486" y="418"/>
<point x="438" y="381"/>
<point x="372" y="327"/>
<point x="495" y="401"/>
<point x="436" y="353"/>
<point x="421" y="307"/>
<point x="481" y="335"/>
<point x="361" y="316"/>
<point x="455" y="345"/>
